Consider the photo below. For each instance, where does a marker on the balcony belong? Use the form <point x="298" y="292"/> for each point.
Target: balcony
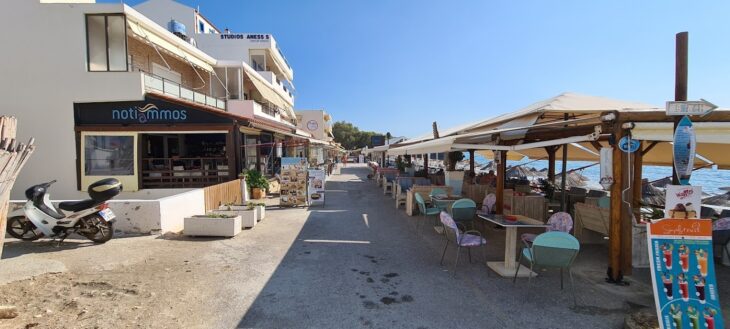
<point x="252" y="109"/>
<point x="169" y="87"/>
<point x="278" y="85"/>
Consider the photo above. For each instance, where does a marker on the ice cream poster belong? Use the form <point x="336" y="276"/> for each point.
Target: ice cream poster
<point x="683" y="274"/>
<point x="683" y="201"/>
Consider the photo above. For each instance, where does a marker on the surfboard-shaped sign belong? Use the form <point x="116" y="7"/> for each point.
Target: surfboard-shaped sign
<point x="684" y="150"/>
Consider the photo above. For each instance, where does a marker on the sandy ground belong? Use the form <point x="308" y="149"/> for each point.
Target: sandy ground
<point x="356" y="262"/>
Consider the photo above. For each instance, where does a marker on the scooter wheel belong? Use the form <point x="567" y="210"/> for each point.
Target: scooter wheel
<point x="102" y="231"/>
<point x="20" y="227"/>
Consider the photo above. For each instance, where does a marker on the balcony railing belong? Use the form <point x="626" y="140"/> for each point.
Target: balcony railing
<point x="169" y="87"/>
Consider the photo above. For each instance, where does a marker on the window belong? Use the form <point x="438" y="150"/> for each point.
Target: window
<point x="106" y="42"/>
<point x="258" y="62"/>
<point x="201" y="27"/>
<point x="108" y="155"/>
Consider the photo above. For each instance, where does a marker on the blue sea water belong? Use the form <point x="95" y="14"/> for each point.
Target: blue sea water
<point x="711" y="180"/>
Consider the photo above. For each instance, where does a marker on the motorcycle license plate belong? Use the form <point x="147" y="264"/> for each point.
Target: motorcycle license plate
<point x="107" y="214"/>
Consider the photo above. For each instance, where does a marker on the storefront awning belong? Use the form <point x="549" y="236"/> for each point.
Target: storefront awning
<point x="153" y="37"/>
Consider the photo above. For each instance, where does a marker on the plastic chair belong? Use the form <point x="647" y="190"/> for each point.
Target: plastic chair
<point x="466" y="239"/>
<point x="488" y="204"/>
<point x="425" y="211"/>
<point x="551" y="249"/>
<point x="559" y="222"/>
<point x="463" y="211"/>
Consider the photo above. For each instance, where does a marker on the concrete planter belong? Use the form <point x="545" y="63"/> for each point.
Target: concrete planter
<point x="455" y="179"/>
<point x="248" y="216"/>
<point x="261" y="212"/>
<point x="211" y="226"/>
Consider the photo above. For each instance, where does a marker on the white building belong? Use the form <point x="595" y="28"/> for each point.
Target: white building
<point x="109" y="92"/>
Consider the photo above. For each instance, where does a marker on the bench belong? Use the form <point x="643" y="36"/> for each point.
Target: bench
<point x="592" y="218"/>
<point x="425" y="191"/>
<point x="403" y="184"/>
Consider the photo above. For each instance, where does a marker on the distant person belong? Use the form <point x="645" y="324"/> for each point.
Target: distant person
<point x="490" y="179"/>
<point x="344" y="160"/>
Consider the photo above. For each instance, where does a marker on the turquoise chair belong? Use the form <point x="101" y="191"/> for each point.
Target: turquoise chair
<point x="463" y="211"/>
<point x="425" y="211"/>
<point x="554" y="250"/>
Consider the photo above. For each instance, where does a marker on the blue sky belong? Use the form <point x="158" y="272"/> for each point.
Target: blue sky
<point x="397" y="66"/>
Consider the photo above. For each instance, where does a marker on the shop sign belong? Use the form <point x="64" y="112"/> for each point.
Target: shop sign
<point x="315" y="190"/>
<point x="684" y="150"/>
<point x="377" y="140"/>
<point x="606" y="167"/>
<point x="149" y="111"/>
<point x="239" y="36"/>
<point x="683" y="274"/>
<point x="683" y="201"/>
<point x="293" y="181"/>
<point x="628" y="145"/>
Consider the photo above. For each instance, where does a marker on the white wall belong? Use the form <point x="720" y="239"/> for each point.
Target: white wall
<point x="162" y="11"/>
<point x="174" y="209"/>
<point x="317" y="116"/>
<point x="44" y="73"/>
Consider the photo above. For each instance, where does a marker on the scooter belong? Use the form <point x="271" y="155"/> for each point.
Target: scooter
<point x="90" y="218"/>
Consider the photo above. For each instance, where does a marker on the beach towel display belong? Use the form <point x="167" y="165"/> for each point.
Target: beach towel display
<point x="293" y="182"/>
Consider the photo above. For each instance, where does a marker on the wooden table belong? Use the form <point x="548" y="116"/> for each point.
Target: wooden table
<point x="509" y="265"/>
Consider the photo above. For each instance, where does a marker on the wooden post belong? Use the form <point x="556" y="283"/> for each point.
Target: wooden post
<point x="471" y="162"/>
<point x="680" y="81"/>
<point x="637" y="179"/>
<point x="501" y="172"/>
<point x="551" y="163"/>
<point x="425" y="163"/>
<point x="615" y="227"/>
<point x="564" y="194"/>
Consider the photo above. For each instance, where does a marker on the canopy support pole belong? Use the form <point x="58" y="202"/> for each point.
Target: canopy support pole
<point x="425" y="163"/>
<point x="564" y="194"/>
<point x="614" y="232"/>
<point x="551" y="163"/>
<point x="501" y="173"/>
<point x="471" y="162"/>
<point x="637" y="183"/>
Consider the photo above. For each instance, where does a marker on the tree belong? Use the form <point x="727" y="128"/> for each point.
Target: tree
<point x="349" y="136"/>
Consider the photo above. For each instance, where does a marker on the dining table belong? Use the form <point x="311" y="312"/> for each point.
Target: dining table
<point x="508" y="267"/>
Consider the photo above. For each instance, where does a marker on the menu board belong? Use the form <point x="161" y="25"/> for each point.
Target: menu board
<point x="683" y="274"/>
<point x="293" y="182"/>
<point x="316" y="187"/>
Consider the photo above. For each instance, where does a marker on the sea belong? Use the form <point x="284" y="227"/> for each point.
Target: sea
<point x="712" y="180"/>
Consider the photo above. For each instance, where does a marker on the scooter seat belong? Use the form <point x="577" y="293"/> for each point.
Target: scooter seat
<point x="77" y="205"/>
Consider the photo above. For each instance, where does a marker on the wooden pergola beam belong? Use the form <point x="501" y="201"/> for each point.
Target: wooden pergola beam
<point x="648" y="148"/>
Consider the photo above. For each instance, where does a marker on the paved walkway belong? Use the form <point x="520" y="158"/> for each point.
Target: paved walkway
<point x="354" y="263"/>
<point x="358" y="262"/>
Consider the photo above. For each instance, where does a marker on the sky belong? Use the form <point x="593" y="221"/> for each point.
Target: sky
<point x="397" y="66"/>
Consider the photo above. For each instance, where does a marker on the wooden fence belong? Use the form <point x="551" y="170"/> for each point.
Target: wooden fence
<point x="224" y="193"/>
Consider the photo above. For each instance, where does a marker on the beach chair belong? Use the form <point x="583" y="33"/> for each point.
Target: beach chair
<point x="551" y="250"/>
<point x="461" y="238"/>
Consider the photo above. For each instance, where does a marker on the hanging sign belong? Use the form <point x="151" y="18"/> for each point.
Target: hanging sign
<point x="683" y="274"/>
<point x="700" y="107"/>
<point x="684" y="150"/>
<point x="606" y="167"/>
<point x="683" y="201"/>
<point x="315" y="190"/>
<point x="628" y="145"/>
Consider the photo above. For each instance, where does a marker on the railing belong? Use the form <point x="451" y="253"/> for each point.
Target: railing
<point x="222" y="194"/>
<point x="168" y="87"/>
<point x="184" y="172"/>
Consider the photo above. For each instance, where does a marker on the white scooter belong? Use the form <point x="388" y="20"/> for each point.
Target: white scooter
<point x="90" y="218"/>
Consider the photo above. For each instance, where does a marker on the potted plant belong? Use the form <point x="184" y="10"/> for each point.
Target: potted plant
<point x="259" y="208"/>
<point x="258" y="184"/>
<point x="410" y="170"/>
<point x="454" y="178"/>
<point x="212" y="225"/>
<point x="249" y="215"/>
